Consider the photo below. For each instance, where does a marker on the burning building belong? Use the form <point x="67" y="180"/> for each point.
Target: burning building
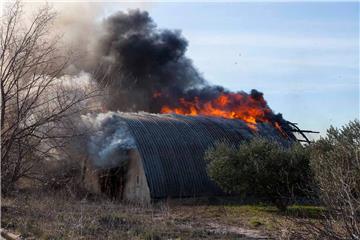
<point x="146" y="156"/>
<point x="162" y="155"/>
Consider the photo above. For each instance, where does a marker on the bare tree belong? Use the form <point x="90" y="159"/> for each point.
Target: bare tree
<point x="336" y="165"/>
<point x="37" y="109"/>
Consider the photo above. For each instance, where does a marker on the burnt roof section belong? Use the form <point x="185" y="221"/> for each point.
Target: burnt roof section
<point x="172" y="149"/>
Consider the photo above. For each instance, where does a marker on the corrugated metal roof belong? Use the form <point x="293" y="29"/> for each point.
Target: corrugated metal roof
<point x="172" y="149"/>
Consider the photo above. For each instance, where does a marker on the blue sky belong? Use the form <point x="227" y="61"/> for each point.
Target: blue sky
<point x="303" y="56"/>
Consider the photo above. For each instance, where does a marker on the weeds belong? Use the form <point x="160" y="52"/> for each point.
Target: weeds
<point x="42" y="215"/>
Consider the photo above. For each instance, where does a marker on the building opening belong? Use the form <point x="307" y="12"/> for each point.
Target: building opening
<point x="112" y="182"/>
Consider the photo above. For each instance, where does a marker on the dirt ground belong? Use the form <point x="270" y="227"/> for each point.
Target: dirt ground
<point x="49" y="216"/>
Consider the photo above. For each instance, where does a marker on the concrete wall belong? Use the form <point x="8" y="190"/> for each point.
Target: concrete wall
<point x="91" y="178"/>
<point x="136" y="187"/>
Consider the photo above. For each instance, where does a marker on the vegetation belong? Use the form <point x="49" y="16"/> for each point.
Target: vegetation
<point x="335" y="161"/>
<point x="261" y="168"/>
<point x="40" y="215"/>
<point x="38" y="115"/>
<point x="38" y="110"/>
<point x="330" y="165"/>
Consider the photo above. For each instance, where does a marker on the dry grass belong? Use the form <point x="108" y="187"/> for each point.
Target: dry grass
<point x="48" y="216"/>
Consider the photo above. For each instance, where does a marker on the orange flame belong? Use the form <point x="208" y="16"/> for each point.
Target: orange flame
<point x="226" y="105"/>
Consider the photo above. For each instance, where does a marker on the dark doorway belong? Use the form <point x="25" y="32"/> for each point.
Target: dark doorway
<point x="112" y="182"/>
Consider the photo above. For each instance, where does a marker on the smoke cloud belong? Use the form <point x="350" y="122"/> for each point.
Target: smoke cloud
<point x="140" y="68"/>
<point x="134" y="60"/>
<point x="111" y="140"/>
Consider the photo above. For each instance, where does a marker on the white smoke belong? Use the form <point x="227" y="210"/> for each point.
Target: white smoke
<point x="110" y="139"/>
<point x="78" y="26"/>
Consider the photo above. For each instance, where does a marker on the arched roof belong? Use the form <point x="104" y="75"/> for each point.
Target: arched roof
<point x="172" y="149"/>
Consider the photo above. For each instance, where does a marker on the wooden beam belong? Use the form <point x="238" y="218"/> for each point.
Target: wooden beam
<point x="304" y="131"/>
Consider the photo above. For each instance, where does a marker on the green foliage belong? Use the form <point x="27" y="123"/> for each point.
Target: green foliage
<point x="261" y="168"/>
<point x="335" y="161"/>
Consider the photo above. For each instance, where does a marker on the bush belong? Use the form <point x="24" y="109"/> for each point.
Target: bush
<point x="336" y="165"/>
<point x="261" y="168"/>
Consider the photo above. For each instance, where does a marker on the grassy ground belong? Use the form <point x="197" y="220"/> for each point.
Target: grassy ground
<point x="44" y="216"/>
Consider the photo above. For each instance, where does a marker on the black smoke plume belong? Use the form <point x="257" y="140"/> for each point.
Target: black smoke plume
<point x="142" y="68"/>
<point x="134" y="60"/>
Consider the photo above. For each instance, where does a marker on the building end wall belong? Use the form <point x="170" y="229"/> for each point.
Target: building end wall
<point x="136" y="186"/>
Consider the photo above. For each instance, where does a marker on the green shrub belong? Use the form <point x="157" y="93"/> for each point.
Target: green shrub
<point x="335" y="162"/>
<point x="262" y="168"/>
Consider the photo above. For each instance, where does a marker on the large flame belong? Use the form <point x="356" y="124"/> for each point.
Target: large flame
<point x="242" y="106"/>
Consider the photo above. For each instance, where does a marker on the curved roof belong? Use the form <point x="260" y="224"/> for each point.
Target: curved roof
<point x="172" y="149"/>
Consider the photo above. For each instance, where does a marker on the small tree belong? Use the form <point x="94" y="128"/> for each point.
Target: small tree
<point x="335" y="162"/>
<point x="261" y="168"/>
<point x="37" y="109"/>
